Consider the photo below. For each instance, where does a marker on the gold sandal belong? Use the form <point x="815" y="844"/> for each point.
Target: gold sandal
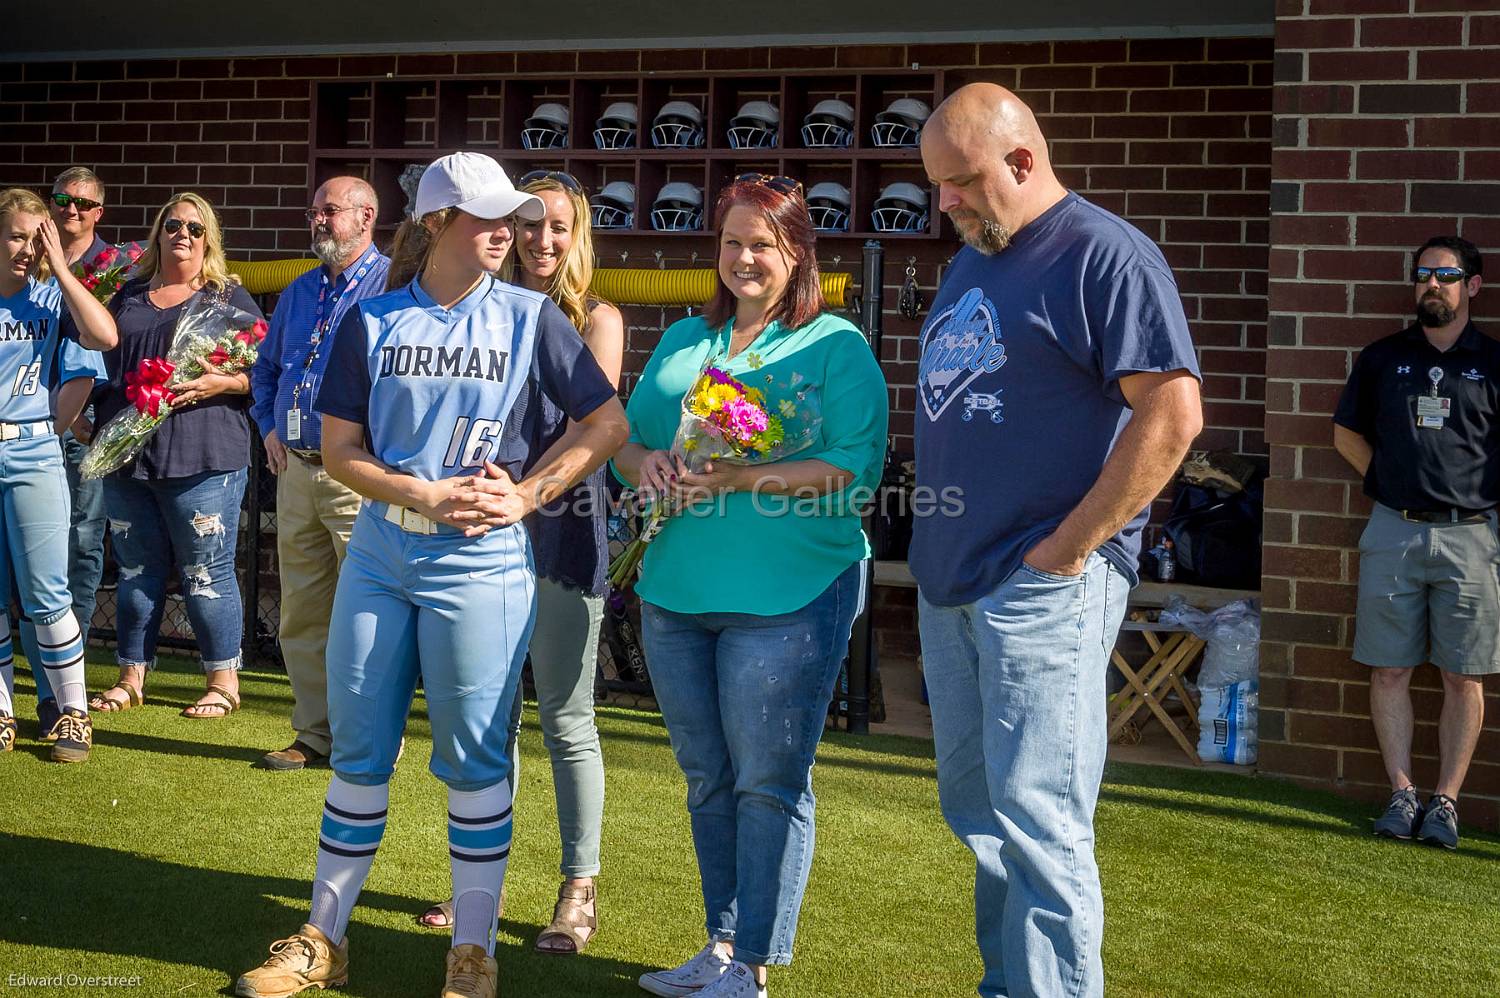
<point x="570" y="920"/>
<point x="440" y="915"/>
<point x="102" y="704"/>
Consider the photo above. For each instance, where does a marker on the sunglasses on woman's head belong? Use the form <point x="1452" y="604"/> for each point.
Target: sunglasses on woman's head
<point x="566" y="179"/>
<point x="781" y="185"/>
<point x="1445" y="275"/>
<point x="82" y="204"/>
<point x="173" y="225"/>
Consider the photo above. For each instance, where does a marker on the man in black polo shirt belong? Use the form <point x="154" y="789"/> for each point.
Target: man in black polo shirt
<point x="1420" y="419"/>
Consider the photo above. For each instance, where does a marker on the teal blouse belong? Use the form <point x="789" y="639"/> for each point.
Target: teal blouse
<point x="765" y="554"/>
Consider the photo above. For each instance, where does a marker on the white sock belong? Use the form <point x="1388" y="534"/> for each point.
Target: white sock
<point x="7" y="668"/>
<point x="479" y="825"/>
<point x="60" y="645"/>
<point x="353" y="822"/>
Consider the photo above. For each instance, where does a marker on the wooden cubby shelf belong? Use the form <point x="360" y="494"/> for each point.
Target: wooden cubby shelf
<point x="376" y="128"/>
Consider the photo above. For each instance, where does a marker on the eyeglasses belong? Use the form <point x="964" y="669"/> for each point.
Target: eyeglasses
<point x="566" y="179"/>
<point x="313" y="214"/>
<point x="174" y="225"/>
<point x="82" y="204"/>
<point x="781" y="185"/>
<point x="1445" y="275"/>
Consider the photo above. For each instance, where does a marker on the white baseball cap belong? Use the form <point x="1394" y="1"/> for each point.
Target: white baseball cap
<point x="475" y="183"/>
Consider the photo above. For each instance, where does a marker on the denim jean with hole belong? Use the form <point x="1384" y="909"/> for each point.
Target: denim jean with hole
<point x="193" y="522"/>
<point x="1016" y="682"/>
<point x="744" y="698"/>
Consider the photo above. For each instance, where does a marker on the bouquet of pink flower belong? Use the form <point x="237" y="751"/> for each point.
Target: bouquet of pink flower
<point x="212" y="335"/>
<point x="104" y="274"/>
<point x="727" y="421"/>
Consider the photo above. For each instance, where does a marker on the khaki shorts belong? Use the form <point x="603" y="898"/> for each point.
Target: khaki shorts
<point x="1429" y="585"/>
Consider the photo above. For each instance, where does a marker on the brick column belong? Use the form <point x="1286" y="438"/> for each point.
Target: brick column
<point x="1386" y="131"/>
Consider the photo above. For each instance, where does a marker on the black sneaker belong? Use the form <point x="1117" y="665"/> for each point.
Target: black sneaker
<point x="1440" y="825"/>
<point x="74" y="736"/>
<point x="1401" y="816"/>
<point x="46" y="717"/>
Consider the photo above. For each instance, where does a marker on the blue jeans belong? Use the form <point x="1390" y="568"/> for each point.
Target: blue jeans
<point x="744" y="698"/>
<point x="195" y="521"/>
<point x="86" y="538"/>
<point x="1016" y="681"/>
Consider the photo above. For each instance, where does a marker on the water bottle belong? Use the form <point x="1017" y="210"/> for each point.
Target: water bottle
<point x="1166" y="563"/>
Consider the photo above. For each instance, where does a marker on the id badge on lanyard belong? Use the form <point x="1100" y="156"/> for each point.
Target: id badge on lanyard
<point x="1433" y="409"/>
<point x="320" y="329"/>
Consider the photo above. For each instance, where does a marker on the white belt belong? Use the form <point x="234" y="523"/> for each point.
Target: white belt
<point x="410" y="520"/>
<point x="14" y="431"/>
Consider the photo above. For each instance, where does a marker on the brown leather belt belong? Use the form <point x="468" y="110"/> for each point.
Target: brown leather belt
<point x="307" y="456"/>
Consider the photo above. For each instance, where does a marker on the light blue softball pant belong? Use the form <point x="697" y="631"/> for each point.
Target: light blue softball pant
<point x="455" y="611"/>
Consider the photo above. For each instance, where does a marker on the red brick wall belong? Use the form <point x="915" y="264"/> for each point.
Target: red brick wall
<point x="1387" y="131"/>
<point x="1172" y="134"/>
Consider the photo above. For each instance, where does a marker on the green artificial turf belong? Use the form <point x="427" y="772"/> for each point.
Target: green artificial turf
<point x="169" y="857"/>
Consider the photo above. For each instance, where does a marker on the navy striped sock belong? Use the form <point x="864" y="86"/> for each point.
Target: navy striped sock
<point x="353" y="822"/>
<point x="479" y="827"/>
<point x="60" y="645"/>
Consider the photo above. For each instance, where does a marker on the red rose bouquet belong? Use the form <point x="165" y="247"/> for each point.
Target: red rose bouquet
<point x="211" y="336"/>
<point x="104" y="274"/>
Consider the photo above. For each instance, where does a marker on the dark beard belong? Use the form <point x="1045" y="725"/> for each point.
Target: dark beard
<point x="1433" y="313"/>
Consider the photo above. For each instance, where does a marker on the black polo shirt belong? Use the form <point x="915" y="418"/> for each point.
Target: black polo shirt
<point x="1415" y="467"/>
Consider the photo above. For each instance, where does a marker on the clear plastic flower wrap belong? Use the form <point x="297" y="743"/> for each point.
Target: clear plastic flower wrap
<point x="211" y="336"/>
<point x="730" y="421"/>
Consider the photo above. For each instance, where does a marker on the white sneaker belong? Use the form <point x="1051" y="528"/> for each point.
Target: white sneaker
<point x="707" y="966"/>
<point x="737" y="982"/>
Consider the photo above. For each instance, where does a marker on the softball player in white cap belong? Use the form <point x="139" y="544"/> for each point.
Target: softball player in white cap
<point x="424" y="414"/>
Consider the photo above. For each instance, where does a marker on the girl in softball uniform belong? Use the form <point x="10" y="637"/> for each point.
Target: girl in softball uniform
<point x="426" y="391"/>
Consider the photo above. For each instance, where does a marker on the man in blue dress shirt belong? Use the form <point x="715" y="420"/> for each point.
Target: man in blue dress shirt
<point x="315" y="514"/>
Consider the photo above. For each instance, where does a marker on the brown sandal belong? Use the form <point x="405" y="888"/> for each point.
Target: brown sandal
<point x="575" y="920"/>
<point x="440" y="915"/>
<point x="229" y="706"/>
<point x="102" y="703"/>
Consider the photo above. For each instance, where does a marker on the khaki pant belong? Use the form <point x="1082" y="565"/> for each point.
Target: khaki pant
<point x="314" y="516"/>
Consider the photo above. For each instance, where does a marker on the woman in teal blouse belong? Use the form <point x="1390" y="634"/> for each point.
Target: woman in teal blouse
<point x="747" y="600"/>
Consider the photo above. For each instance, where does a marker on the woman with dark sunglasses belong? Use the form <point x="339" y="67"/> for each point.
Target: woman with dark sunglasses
<point x="180" y="499"/>
<point x="747" y="601"/>
<point x="556" y="258"/>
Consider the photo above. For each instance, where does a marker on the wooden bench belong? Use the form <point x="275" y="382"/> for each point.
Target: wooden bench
<point x="1171" y="651"/>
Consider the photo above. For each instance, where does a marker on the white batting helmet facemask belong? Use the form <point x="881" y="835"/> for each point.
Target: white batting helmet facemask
<point x="901" y="207"/>
<point x="900" y="124"/>
<point x="828" y="204"/>
<point x="755" y="127"/>
<point x="678" y="208"/>
<point x="829" y="125"/>
<point x="678" y="125"/>
<point x="614" y="206"/>
<point x="617" y="126"/>
<point x="547" y="128"/>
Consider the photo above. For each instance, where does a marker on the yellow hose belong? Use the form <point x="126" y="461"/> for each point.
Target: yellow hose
<point x="622" y="286"/>
<point x="264" y="277"/>
<point x="685" y="287"/>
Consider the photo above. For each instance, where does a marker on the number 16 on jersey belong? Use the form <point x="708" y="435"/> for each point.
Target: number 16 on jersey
<point x="474" y="442"/>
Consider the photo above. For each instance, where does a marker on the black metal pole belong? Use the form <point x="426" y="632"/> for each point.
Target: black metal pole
<point x="862" y="640"/>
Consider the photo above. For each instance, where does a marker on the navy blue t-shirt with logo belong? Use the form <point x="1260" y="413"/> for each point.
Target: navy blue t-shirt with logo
<point x="1018" y="390"/>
